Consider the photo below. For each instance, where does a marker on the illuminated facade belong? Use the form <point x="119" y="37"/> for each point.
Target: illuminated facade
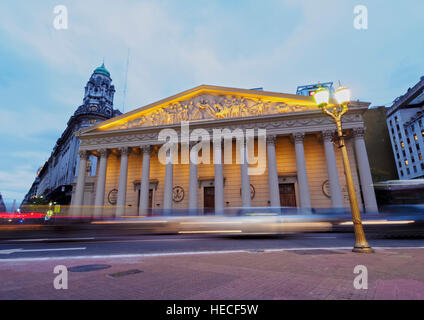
<point x="303" y="167"/>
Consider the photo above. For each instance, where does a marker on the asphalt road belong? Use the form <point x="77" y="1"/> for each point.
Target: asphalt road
<point x="108" y="246"/>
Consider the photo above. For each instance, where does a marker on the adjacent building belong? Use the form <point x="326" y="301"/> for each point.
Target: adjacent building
<point x="379" y="146"/>
<point x="303" y="166"/>
<point x="406" y="128"/>
<point x="54" y="179"/>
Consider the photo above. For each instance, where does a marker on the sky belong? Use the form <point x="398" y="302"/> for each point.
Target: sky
<point x="177" y="45"/>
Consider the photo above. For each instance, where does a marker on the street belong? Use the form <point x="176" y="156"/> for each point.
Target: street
<point x="299" y="266"/>
<point x="106" y="246"/>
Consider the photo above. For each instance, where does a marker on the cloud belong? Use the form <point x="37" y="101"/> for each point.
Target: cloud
<point x="15" y="183"/>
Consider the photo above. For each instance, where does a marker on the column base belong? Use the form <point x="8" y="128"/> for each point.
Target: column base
<point x="365" y="248"/>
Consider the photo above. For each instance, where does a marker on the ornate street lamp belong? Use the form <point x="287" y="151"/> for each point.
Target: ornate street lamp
<point x="336" y="111"/>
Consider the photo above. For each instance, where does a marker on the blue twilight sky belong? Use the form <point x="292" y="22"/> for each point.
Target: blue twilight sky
<point x="176" y="45"/>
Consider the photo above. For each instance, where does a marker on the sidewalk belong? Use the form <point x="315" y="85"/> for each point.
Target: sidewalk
<point x="310" y="274"/>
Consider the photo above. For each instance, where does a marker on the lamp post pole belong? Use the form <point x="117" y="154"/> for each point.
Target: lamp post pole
<point x="361" y="244"/>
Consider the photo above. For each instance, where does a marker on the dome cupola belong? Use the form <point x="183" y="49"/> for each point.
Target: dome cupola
<point x="102" y="70"/>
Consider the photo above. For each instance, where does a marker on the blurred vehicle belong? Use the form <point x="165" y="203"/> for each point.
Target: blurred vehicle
<point x="21" y="218"/>
<point x="399" y="220"/>
<point x="400" y="192"/>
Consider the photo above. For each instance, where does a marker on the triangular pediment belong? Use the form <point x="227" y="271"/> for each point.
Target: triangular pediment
<point x="205" y="103"/>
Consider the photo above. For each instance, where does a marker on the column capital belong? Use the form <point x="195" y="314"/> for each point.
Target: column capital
<point x="103" y="152"/>
<point x="124" y="151"/>
<point x="146" y="148"/>
<point x="359" y="133"/>
<point x="327" y="135"/>
<point x="83" y="154"/>
<point x="298" y="137"/>
<point x="270" y="139"/>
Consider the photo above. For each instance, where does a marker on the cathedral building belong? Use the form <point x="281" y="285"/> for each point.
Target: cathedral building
<point x="293" y="140"/>
<point x="54" y="179"/>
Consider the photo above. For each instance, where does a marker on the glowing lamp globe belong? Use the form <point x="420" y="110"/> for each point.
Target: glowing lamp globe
<point x="322" y="96"/>
<point x="342" y="95"/>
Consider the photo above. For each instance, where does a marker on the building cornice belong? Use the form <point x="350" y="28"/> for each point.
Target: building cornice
<point x="407" y="98"/>
<point x="281" y="125"/>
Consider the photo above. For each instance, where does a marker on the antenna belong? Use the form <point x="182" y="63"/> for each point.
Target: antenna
<point x="125" y="83"/>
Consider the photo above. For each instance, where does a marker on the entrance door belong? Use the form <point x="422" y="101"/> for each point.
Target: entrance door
<point x="287" y="195"/>
<point x="209" y="200"/>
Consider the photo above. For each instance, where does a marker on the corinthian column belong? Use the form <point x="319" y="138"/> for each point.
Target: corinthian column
<point x="145" y="181"/>
<point x="245" y="181"/>
<point x="274" y="191"/>
<point x="219" y="179"/>
<point x="122" y="187"/>
<point x="79" y="188"/>
<point x="168" y="187"/>
<point x="302" y="175"/>
<point x="364" y="171"/>
<point x="101" y="183"/>
<point x="193" y="183"/>
<point x="333" y="175"/>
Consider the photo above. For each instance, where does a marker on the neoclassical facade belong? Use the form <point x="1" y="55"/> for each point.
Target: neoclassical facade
<point x="303" y="166"/>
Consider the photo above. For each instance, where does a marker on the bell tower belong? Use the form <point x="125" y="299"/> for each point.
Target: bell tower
<point x="99" y="92"/>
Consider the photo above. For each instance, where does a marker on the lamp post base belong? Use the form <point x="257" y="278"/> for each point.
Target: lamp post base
<point x="362" y="249"/>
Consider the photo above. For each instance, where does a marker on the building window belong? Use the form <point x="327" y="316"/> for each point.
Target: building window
<point x="415" y="137"/>
<point x="413" y="159"/>
<point x="397" y="155"/>
<point x="397" y="127"/>
<point x="415" y="169"/>
<point x="422" y="133"/>
<point x="400" y="164"/>
<point x="422" y="166"/>
<point x="408" y="140"/>
<point x="420" y="156"/>
<point x="410" y="150"/>
<point x="406" y="162"/>
<point x="420" y="122"/>
<point x="404" y="153"/>
<point x="412" y="128"/>
<point x="401" y="173"/>
<point x="396" y="147"/>
<point x="393" y="131"/>
<point x="402" y="144"/>
<point x="396" y="119"/>
<point x="417" y="146"/>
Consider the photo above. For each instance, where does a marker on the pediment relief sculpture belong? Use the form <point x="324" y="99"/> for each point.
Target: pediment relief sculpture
<point x="205" y="107"/>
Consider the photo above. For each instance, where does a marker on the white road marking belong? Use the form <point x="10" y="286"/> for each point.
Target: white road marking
<point x="10" y="251"/>
<point x="317" y="237"/>
<point x="51" y="239"/>
<point x="108" y="241"/>
<point x="190" y="253"/>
